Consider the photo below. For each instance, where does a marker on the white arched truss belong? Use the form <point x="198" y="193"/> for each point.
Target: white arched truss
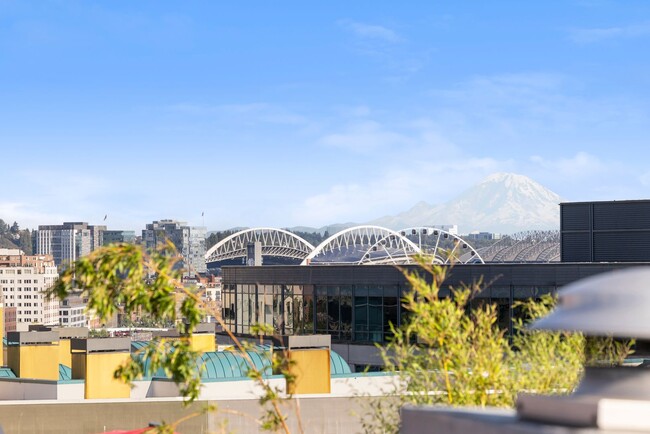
<point x="275" y="242"/>
<point x="362" y="245"/>
<point x="443" y="246"/>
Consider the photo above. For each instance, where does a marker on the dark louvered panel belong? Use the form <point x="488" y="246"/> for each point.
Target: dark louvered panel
<point x="622" y="246"/>
<point x="575" y="216"/>
<point x="622" y="215"/>
<point x="575" y="247"/>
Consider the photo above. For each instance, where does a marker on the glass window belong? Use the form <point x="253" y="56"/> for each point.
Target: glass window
<point x="308" y="309"/>
<point x="267" y="311"/>
<point x="278" y="310"/>
<point x="346" y="312"/>
<point x="239" y="320"/>
<point x="390" y="316"/>
<point x="247" y="309"/>
<point x="228" y="310"/>
<point x="375" y="319"/>
<point x="321" y="310"/>
<point x="288" y="308"/>
<point x="360" y="316"/>
<point x="333" y="313"/>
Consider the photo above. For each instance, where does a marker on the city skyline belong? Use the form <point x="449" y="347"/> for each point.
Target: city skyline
<point x="312" y="114"/>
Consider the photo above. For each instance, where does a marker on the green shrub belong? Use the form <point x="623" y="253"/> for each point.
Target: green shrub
<point x="446" y="353"/>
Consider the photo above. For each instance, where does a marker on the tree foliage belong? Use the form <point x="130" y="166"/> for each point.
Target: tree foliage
<point x="215" y="237"/>
<point x="314" y="238"/>
<point x="447" y="353"/>
<point x="12" y="237"/>
<point x="128" y="279"/>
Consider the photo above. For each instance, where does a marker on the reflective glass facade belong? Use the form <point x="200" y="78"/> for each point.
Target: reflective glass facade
<point x="289" y="309"/>
<point x="349" y="313"/>
<point x="358" y="304"/>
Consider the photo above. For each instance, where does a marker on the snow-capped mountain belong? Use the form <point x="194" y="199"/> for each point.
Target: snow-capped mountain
<point x="503" y="203"/>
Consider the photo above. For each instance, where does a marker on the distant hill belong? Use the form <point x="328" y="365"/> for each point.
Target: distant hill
<point x="330" y="229"/>
<point x="12" y="237"/>
<point x="502" y="203"/>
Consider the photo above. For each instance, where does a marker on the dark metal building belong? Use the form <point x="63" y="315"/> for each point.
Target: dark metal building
<point x="613" y="231"/>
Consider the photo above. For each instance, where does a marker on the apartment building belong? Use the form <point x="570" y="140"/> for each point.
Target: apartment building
<point x="23" y="280"/>
<point x="72" y="312"/>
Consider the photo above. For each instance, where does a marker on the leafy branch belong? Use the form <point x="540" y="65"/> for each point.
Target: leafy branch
<point x="449" y="352"/>
<point x="126" y="278"/>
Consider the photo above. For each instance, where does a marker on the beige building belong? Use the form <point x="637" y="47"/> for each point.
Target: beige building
<point x="23" y="280"/>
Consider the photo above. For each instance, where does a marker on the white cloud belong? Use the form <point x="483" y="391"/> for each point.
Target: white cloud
<point x="245" y="112"/>
<point x="644" y="178"/>
<point x="549" y="113"/>
<point x="27" y="215"/>
<point x="364" y="137"/>
<point x="589" y="36"/>
<point x="581" y="165"/>
<point x="358" y="111"/>
<point x="51" y="197"/>
<point x="393" y="190"/>
<point x="529" y="89"/>
<point x="371" y="31"/>
<point x="585" y="176"/>
<point x="398" y="59"/>
<point x="414" y="163"/>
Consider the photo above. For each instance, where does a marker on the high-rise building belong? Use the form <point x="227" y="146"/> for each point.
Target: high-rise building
<point x="23" y="280"/>
<point x="69" y="241"/>
<point x="189" y="241"/>
<point x="110" y="237"/>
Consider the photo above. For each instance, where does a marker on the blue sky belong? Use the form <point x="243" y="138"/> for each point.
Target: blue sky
<point x="309" y="113"/>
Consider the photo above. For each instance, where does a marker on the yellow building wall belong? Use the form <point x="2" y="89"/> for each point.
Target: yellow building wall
<point x="312" y="371"/>
<point x="65" y="357"/>
<point x="203" y="343"/>
<point x="34" y="361"/>
<point x="99" y="376"/>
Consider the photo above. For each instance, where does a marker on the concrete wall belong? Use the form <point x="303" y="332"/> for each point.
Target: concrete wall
<point x="20" y="389"/>
<point x="341" y="387"/>
<point x="365" y="385"/>
<point x="232" y="390"/>
<point x="319" y="415"/>
<point x="140" y="389"/>
<point x="72" y="391"/>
